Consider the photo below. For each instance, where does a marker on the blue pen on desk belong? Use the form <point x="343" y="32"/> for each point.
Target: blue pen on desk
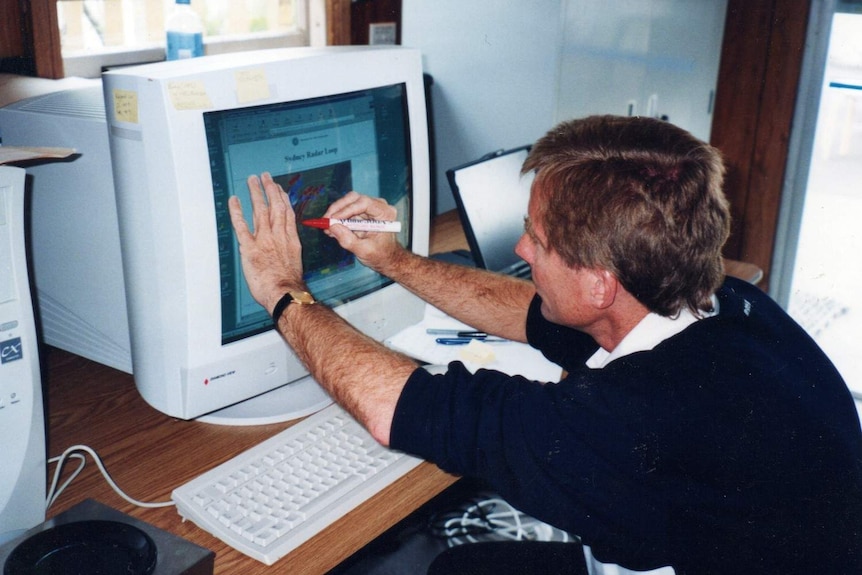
<point x="466" y="340"/>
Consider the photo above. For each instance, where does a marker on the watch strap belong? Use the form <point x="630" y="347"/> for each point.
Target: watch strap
<point x="280" y="307"/>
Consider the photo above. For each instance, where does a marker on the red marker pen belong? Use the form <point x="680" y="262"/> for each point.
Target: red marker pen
<point x="355" y="225"/>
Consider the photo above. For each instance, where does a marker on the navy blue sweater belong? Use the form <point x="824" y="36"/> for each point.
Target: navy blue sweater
<point x="731" y="447"/>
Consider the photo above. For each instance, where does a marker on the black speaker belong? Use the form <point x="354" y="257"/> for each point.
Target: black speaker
<point x="94" y="539"/>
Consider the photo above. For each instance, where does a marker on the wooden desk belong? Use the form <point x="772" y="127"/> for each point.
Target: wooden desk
<point x="149" y="453"/>
<point x="448" y="235"/>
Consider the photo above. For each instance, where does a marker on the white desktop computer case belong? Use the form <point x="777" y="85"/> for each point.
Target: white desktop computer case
<point x="22" y="420"/>
<point x="77" y="264"/>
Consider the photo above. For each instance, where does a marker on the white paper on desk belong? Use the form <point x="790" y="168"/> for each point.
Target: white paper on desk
<point x="511" y="357"/>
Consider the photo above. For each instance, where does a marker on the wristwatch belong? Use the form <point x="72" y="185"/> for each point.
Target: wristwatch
<point x="299" y="297"/>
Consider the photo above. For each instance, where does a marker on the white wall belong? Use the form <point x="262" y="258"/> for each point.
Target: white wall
<point x="495" y="70"/>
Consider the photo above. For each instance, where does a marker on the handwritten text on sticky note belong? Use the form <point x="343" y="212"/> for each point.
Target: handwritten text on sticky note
<point x="251" y="85"/>
<point x="126" y="106"/>
<point x="189" y="95"/>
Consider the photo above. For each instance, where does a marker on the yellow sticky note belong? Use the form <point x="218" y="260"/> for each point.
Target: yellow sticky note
<point x="126" y="106"/>
<point x="251" y="85"/>
<point x="189" y="95"/>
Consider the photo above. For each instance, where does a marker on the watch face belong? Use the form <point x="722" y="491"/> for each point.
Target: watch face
<point x="302" y="297"/>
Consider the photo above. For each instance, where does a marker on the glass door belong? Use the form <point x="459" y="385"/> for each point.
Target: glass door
<point x="822" y="290"/>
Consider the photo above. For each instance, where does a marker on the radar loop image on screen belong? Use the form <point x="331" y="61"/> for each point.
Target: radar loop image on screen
<point x="311" y="192"/>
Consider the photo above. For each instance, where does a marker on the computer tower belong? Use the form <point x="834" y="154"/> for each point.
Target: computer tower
<point x="77" y="264"/>
<point x="22" y="419"/>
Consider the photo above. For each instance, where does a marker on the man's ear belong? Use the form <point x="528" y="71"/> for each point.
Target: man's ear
<point x="604" y="289"/>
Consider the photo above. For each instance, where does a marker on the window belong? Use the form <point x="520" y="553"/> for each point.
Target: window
<point x="95" y="34"/>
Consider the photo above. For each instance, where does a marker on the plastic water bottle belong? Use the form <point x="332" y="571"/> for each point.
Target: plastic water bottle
<point x="185" y="32"/>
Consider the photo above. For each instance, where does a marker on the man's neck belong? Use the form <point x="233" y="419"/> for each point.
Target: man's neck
<point x="615" y="325"/>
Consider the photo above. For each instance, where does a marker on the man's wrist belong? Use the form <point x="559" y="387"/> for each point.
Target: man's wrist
<point x="296" y="297"/>
<point x="395" y="262"/>
<point x="276" y="293"/>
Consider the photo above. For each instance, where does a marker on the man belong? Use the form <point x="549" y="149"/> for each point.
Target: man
<point x="698" y="426"/>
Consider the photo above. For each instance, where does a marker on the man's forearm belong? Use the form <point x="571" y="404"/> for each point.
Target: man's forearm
<point x="362" y="375"/>
<point x="494" y="303"/>
<point x="488" y="301"/>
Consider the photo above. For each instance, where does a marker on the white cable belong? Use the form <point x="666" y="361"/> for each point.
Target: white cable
<point x="480" y="520"/>
<point x="54" y="492"/>
<point x="52" y="496"/>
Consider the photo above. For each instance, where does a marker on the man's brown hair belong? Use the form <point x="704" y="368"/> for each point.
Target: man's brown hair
<point x="640" y="198"/>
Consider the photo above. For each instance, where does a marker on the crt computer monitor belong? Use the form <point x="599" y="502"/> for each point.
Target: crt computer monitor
<point x="184" y="137"/>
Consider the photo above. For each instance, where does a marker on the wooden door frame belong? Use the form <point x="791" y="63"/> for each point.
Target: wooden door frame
<point x="758" y="82"/>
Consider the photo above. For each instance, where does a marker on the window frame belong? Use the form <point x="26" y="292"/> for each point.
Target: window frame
<point x="92" y="65"/>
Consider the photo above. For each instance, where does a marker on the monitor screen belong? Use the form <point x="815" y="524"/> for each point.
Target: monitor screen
<point x="317" y="149"/>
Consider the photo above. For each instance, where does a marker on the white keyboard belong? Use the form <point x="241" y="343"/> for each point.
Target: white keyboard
<point x="270" y="499"/>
